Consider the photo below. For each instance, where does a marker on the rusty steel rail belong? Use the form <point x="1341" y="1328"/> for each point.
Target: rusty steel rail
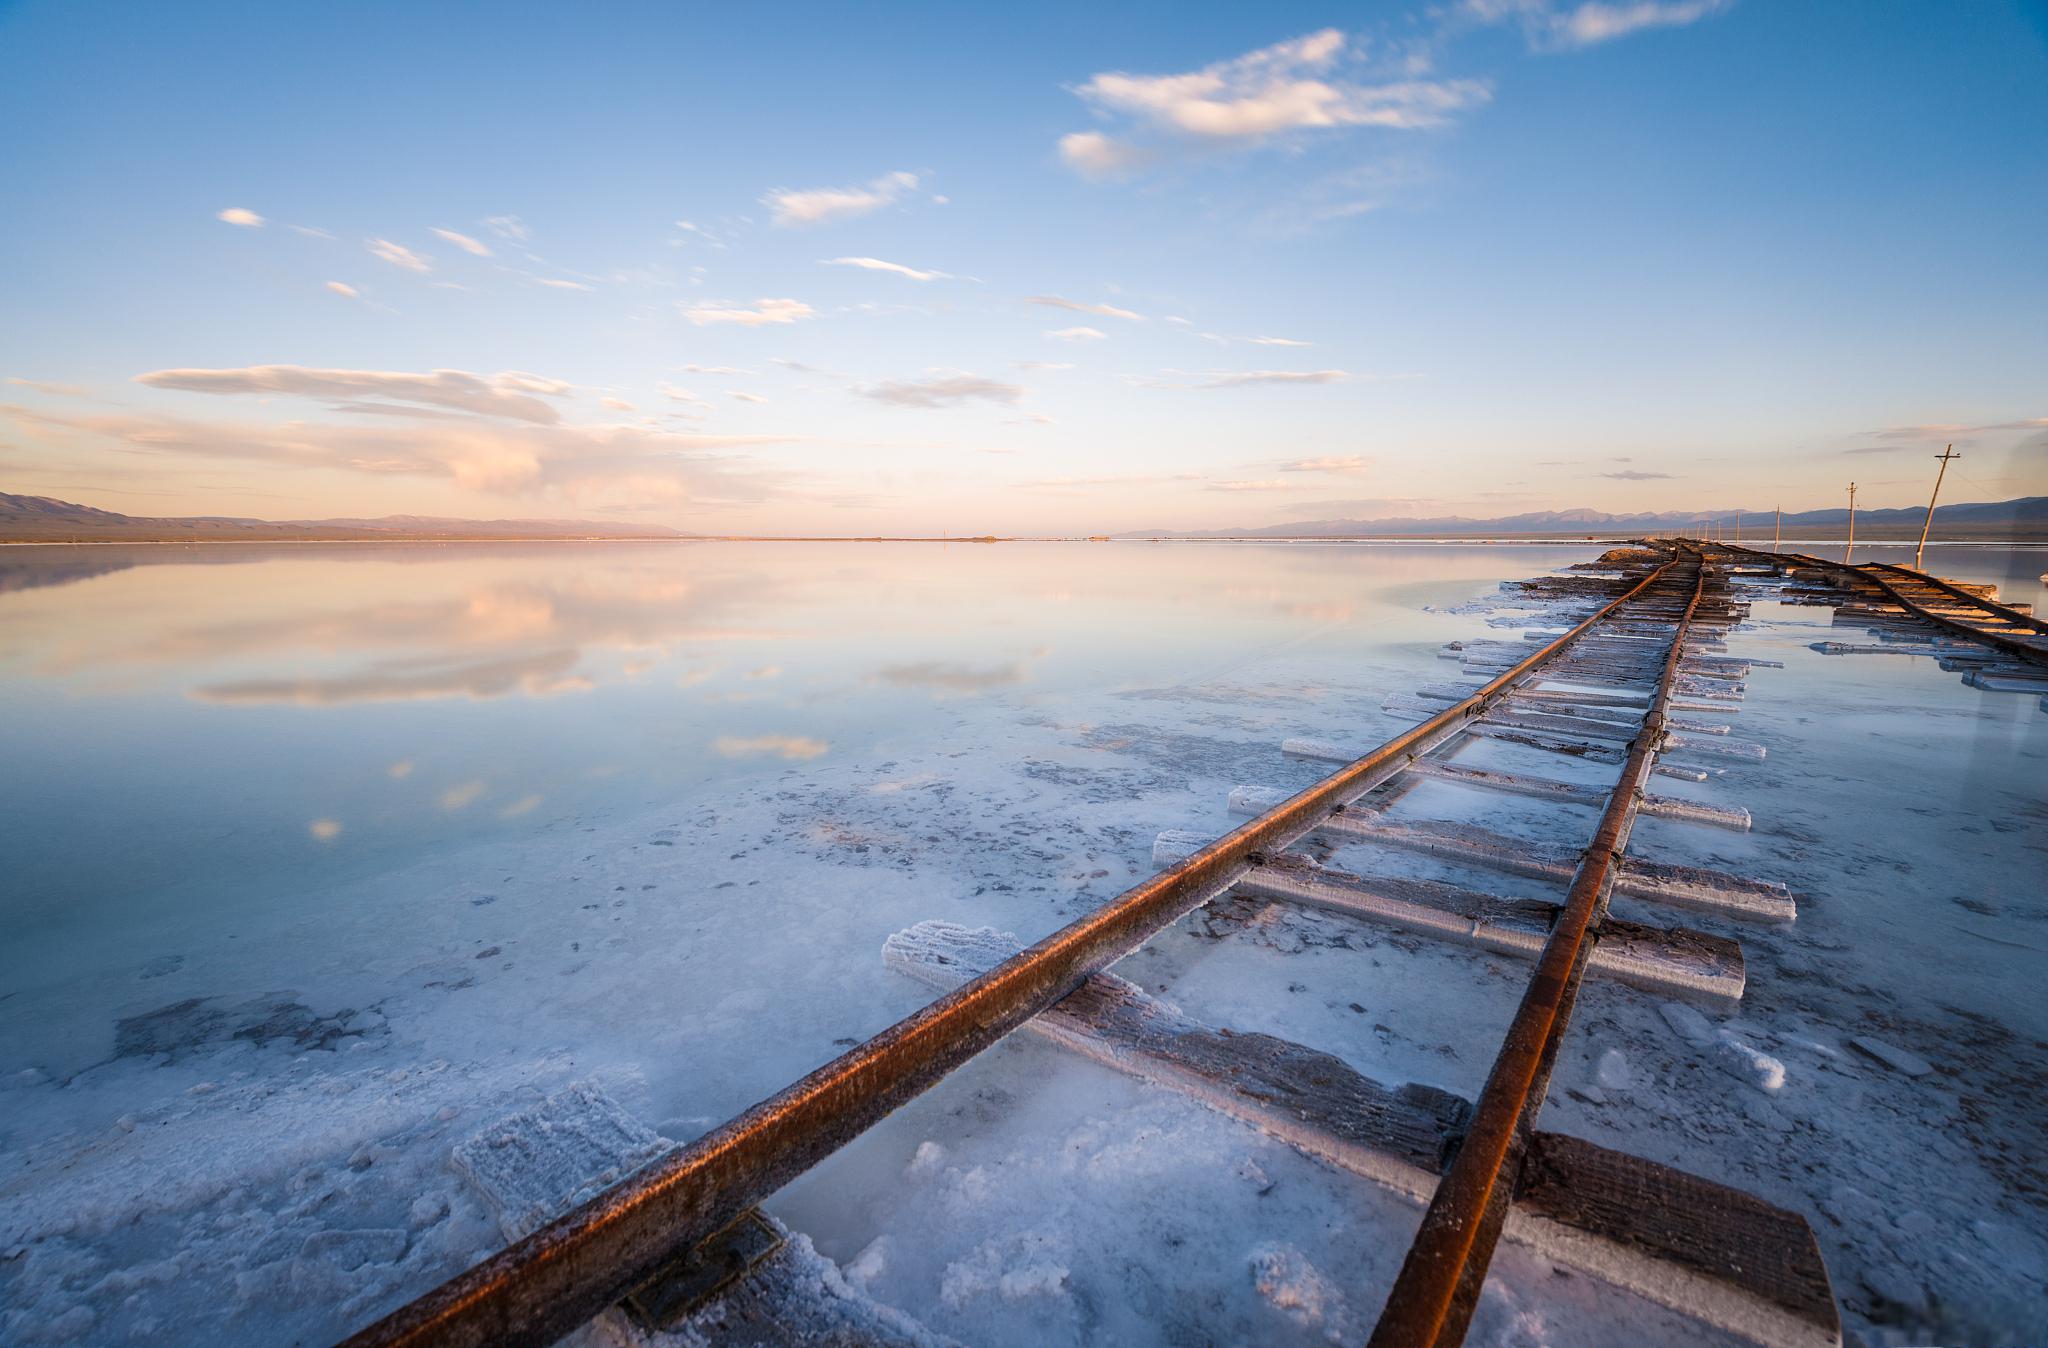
<point x="1991" y="607"/>
<point x="1433" y="1296"/>
<point x="2011" y="645"/>
<point x="539" y="1288"/>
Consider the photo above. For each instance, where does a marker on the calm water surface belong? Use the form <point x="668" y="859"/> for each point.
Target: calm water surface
<point x="191" y="729"/>
<point x="193" y="733"/>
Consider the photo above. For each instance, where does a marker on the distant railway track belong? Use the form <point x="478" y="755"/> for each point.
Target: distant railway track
<point x="1956" y="609"/>
<point x="1638" y="681"/>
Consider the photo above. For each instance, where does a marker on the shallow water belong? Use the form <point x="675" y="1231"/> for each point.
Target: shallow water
<point x="200" y="736"/>
<point x="321" y="858"/>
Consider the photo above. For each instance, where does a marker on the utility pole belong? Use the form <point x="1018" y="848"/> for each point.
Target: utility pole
<point x="1738" y="528"/>
<point x="1851" y="549"/>
<point x="1928" y="523"/>
<point x="1777" y="523"/>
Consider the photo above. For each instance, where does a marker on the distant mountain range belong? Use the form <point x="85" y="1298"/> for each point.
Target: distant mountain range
<point x="44" y="519"/>
<point x="2020" y="519"/>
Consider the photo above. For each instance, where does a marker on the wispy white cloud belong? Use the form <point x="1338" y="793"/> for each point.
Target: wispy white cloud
<point x="1079" y="307"/>
<point x="1096" y="155"/>
<point x="741" y="395"/>
<point x="1076" y="334"/>
<point x="519" y="381"/>
<point x="708" y="236"/>
<point x="508" y="227"/>
<point x="1241" y="378"/>
<point x="712" y="369"/>
<point x="617" y="404"/>
<point x="237" y="215"/>
<point x="817" y="205"/>
<point x="1278" y="341"/>
<point x="397" y="254"/>
<point x="1344" y="194"/>
<point x="1217" y="379"/>
<point x="763" y="312"/>
<point x="1290" y="86"/>
<point x="505" y="395"/>
<point x="1269" y="484"/>
<point x="612" y="468"/>
<point x="344" y="289"/>
<point x="1550" y="26"/>
<point x="876" y="264"/>
<point x="2032" y="433"/>
<point x="942" y="389"/>
<point x="1345" y="464"/>
<point x="799" y="367"/>
<point x="1044" y="364"/>
<point x="557" y="283"/>
<point x="463" y="241"/>
<point x="54" y="390"/>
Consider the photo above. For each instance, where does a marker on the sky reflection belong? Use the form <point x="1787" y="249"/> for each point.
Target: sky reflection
<point x="223" y="726"/>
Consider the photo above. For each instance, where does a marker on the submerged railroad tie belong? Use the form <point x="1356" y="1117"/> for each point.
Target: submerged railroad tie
<point x="1693" y="887"/>
<point x="1716" y="1254"/>
<point x="1657" y="1231"/>
<point x="1433" y="1297"/>
<point x="1670" y="961"/>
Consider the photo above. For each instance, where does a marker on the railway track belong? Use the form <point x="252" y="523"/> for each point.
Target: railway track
<point x="1640" y="683"/>
<point x="1996" y="646"/>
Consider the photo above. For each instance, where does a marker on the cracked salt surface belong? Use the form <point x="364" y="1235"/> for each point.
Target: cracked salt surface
<point x="247" y="1138"/>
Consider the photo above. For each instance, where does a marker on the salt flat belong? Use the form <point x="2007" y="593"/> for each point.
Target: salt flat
<point x="228" y="1038"/>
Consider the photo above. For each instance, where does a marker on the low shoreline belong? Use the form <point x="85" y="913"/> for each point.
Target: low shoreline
<point x="1462" y="540"/>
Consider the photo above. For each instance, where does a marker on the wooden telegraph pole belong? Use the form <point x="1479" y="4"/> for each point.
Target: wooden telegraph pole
<point x="1777" y="523"/>
<point x="1928" y="523"/>
<point x="1851" y="549"/>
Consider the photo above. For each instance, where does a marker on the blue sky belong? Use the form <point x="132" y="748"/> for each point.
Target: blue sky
<point x="1156" y="265"/>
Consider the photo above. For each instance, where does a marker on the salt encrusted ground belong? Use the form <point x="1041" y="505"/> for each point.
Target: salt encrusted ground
<point x="288" y="1178"/>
